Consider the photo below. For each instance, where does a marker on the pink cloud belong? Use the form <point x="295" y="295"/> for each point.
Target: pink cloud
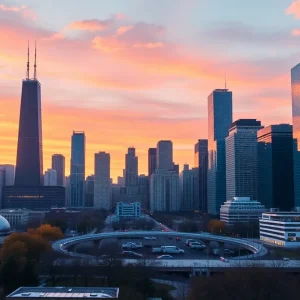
<point x="121" y="30"/>
<point x="12" y="8"/>
<point x="120" y="16"/>
<point x="296" y="32"/>
<point x="294" y="9"/>
<point x="89" y="25"/>
<point x="148" y="45"/>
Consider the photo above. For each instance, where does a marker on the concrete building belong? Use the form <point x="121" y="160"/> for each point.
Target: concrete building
<point x="121" y="181"/>
<point x="187" y="188"/>
<point x="219" y="121"/>
<point x="89" y="191"/>
<point x="200" y="166"/>
<point x="295" y="80"/>
<point x="15" y="216"/>
<point x="77" y="172"/>
<point x="102" y="185"/>
<point x="58" y="164"/>
<point x="151" y="161"/>
<point x="7" y="178"/>
<point x="50" y="178"/>
<point x="241" y="210"/>
<point x="280" y="229"/>
<point x="128" y="210"/>
<point x="276" y="167"/>
<point x="72" y="293"/>
<point x="241" y="159"/>
<point x="164" y="155"/>
<point x="164" y="191"/>
<point x="131" y="171"/>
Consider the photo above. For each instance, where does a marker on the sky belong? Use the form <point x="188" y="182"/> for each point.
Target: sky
<point x="131" y="73"/>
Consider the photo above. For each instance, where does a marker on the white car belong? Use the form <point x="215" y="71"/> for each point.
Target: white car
<point x="165" y="256"/>
<point x="131" y="245"/>
<point x="172" y="249"/>
<point x="190" y="241"/>
<point x="196" y="245"/>
<point x="149" y="238"/>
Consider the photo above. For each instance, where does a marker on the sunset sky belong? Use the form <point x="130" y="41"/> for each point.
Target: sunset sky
<point x="132" y="72"/>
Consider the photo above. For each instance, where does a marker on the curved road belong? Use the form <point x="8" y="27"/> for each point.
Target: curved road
<point x="62" y="246"/>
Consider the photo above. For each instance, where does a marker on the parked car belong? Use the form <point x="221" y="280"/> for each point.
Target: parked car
<point x="149" y="238"/>
<point x="189" y="241"/>
<point x="178" y="238"/>
<point x="172" y="249"/>
<point x="196" y="245"/>
<point x="131" y="254"/>
<point x="131" y="245"/>
<point x="165" y="256"/>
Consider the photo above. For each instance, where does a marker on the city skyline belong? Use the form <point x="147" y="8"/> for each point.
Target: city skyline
<point x="156" y="113"/>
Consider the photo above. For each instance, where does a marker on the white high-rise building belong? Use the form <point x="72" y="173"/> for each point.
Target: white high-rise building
<point x="8" y="174"/>
<point x="164" y="191"/>
<point x="187" y="188"/>
<point x="50" y="178"/>
<point x="242" y="159"/>
<point x="164" y="155"/>
<point x="102" y="184"/>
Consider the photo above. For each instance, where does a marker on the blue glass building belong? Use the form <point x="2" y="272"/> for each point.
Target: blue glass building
<point x="77" y="173"/>
<point x="219" y="121"/>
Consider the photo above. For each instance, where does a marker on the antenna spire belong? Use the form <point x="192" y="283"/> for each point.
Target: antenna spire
<point x="225" y="81"/>
<point x="27" y="72"/>
<point x="34" y="75"/>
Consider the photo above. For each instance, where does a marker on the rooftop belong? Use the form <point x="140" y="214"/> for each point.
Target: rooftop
<point x="65" y="292"/>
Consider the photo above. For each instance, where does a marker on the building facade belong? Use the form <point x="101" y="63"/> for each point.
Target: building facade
<point x="151" y="161"/>
<point x="280" y="229"/>
<point x="164" y="155"/>
<point x="128" y="210"/>
<point x="200" y="164"/>
<point x="50" y="178"/>
<point x="7" y="178"/>
<point x="219" y="121"/>
<point x="295" y="80"/>
<point x="242" y="159"/>
<point x="77" y="172"/>
<point x="276" y="167"/>
<point x="241" y="210"/>
<point x="58" y="164"/>
<point x="102" y="185"/>
<point x="15" y="216"/>
<point x="89" y="191"/>
<point x="187" y="188"/>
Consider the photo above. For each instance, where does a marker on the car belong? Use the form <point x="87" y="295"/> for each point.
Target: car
<point x="196" y="245"/>
<point x="224" y="259"/>
<point x="226" y="251"/>
<point x="170" y="238"/>
<point x="131" y="245"/>
<point x="165" y="256"/>
<point x="178" y="238"/>
<point x="149" y="238"/>
<point x="132" y="254"/>
<point x="285" y="259"/>
<point x="172" y="249"/>
<point x="189" y="241"/>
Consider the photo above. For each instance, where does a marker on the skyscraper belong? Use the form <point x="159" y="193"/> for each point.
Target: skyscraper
<point x="29" y="167"/>
<point x="131" y="172"/>
<point x="151" y="161"/>
<point x="219" y="120"/>
<point x="164" y="155"/>
<point x="200" y="164"/>
<point x="58" y="164"/>
<point x="275" y="166"/>
<point x="77" y="173"/>
<point x="9" y="174"/>
<point x="102" y="185"/>
<point x="295" y="76"/>
<point x="187" y="188"/>
<point x="50" y="178"/>
<point x="89" y="191"/>
<point x="241" y="159"/>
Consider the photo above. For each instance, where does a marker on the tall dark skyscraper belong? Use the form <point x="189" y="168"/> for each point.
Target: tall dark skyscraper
<point x="219" y="121"/>
<point x="58" y="164"/>
<point x="151" y="161"/>
<point x="275" y="167"/>
<point x="164" y="155"/>
<point x="200" y="164"/>
<point x="29" y="166"/>
<point x="77" y="174"/>
<point x="131" y="171"/>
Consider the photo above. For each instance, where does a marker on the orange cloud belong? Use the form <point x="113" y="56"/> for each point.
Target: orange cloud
<point x="294" y="9"/>
<point x="89" y="25"/>
<point x="12" y="8"/>
<point x="107" y="45"/>
<point x="148" y="45"/>
<point x="121" y="30"/>
<point x="296" y="32"/>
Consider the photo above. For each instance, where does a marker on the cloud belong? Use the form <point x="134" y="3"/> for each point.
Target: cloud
<point x="89" y="25"/>
<point x="107" y="45"/>
<point x="296" y="32"/>
<point x="294" y="9"/>
<point x="120" y="16"/>
<point x="121" y="30"/>
<point x="148" y="45"/>
<point x="12" y="8"/>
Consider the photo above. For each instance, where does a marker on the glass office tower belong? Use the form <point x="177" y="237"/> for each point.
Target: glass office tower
<point x="77" y="174"/>
<point x="219" y="121"/>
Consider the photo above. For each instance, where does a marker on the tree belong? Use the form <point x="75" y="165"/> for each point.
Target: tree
<point x="47" y="232"/>
<point x="216" y="226"/>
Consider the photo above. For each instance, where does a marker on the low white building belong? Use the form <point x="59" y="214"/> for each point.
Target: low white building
<point x="128" y="210"/>
<point x="241" y="209"/>
<point x="15" y="216"/>
<point x="280" y="229"/>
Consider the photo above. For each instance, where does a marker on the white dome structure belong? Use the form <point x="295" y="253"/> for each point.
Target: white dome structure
<point x="4" y="225"/>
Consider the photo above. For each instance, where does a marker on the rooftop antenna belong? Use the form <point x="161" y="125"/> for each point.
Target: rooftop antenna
<point x="27" y="73"/>
<point x="34" y="74"/>
<point x="225" y="81"/>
